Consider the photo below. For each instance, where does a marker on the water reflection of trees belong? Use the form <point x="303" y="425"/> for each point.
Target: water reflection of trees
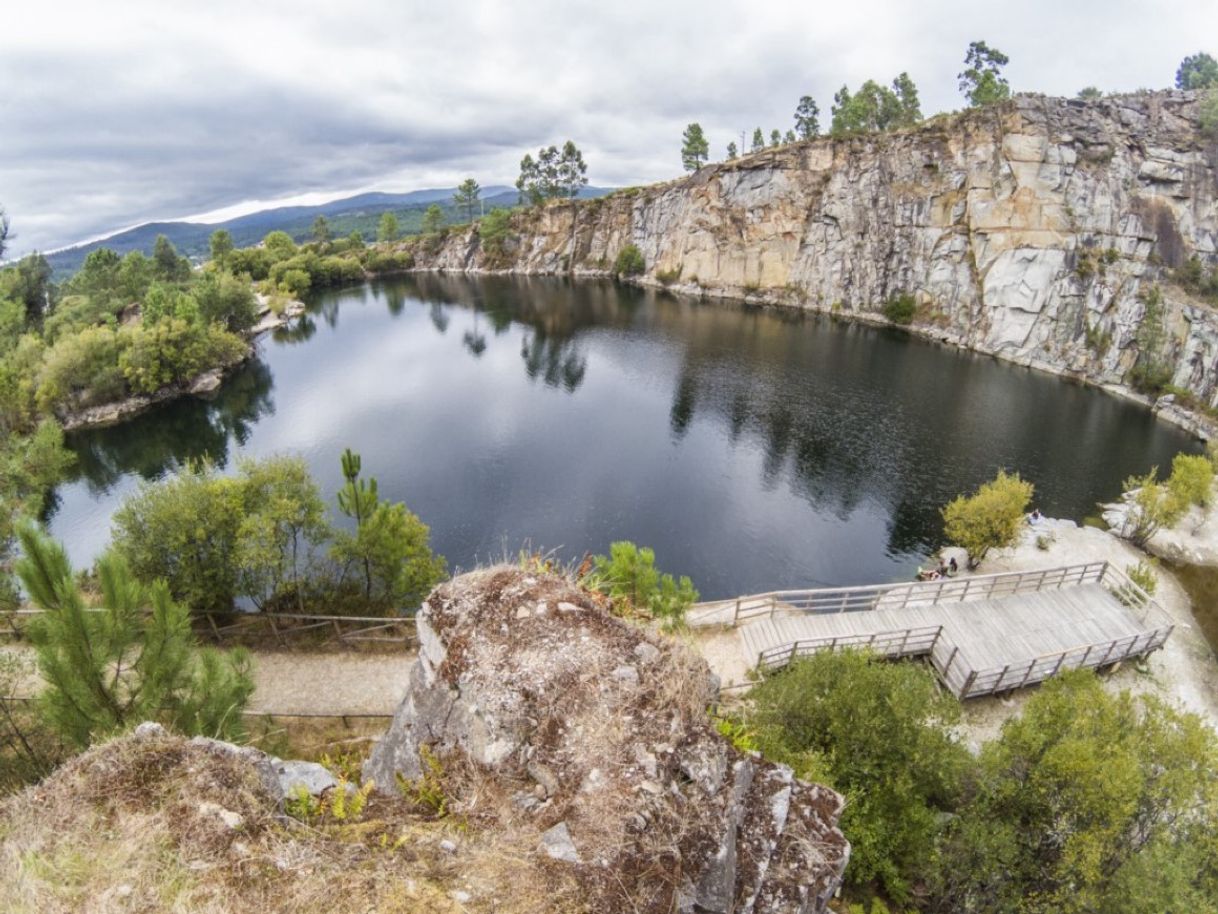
<point x="553" y="312"/>
<point x="176" y="433"/>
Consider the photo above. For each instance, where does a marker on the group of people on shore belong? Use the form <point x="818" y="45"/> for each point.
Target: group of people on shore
<point x="950" y="568"/>
<point x="947" y="569"/>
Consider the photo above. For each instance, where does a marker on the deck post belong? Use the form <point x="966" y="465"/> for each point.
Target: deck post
<point x="968" y="684"/>
<point x="1001" y="676"/>
<point x="1107" y="654"/>
<point x="951" y="658"/>
<point x="1057" y="669"/>
<point x="275" y="629"/>
<point x="1028" y="674"/>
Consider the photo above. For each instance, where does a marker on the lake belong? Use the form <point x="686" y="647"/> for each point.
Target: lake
<point x="753" y="449"/>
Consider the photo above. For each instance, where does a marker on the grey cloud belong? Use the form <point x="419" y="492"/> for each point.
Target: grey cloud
<point x="107" y="120"/>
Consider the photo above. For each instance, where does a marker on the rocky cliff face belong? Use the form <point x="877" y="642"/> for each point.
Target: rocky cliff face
<point x="1034" y="230"/>
<point x="576" y="725"/>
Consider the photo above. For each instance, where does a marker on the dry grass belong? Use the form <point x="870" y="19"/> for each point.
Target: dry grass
<point x="140" y="826"/>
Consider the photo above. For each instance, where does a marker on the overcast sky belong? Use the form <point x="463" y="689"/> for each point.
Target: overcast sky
<point x="116" y="113"/>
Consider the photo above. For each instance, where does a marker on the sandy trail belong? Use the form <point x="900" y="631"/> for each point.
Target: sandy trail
<point x="287" y="682"/>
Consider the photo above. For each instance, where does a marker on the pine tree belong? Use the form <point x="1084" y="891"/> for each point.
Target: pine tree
<point x="433" y="219"/>
<point x="694" y="148"/>
<point x="466" y="197"/>
<point x="807" y="123"/>
<point x="731" y="151"/>
<point x="758" y="140"/>
<point x="321" y="230"/>
<point x="775" y="137"/>
<point x="390" y="543"/>
<point x="387" y="229"/>
<point x="907" y="96"/>
<point x="981" y="81"/>
<point x="133" y="659"/>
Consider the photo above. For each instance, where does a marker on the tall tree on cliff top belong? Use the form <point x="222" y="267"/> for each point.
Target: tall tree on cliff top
<point x="907" y="96"/>
<point x="732" y="152"/>
<point x="1197" y="71"/>
<point x="982" y="82"/>
<point x="694" y="148"/>
<point x="758" y="141"/>
<point x="466" y="197"/>
<point x="552" y="174"/>
<point x="807" y="118"/>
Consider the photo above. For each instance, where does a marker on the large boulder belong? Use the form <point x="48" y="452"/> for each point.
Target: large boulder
<point x="596" y="735"/>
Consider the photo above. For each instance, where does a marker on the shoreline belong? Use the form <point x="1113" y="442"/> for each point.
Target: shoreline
<point x="1164" y="408"/>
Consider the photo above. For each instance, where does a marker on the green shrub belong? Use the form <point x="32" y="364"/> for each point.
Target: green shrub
<point x="81" y="369"/>
<point x="1192" y="479"/>
<point x="990" y="518"/>
<point x="629" y="575"/>
<point x="901" y="309"/>
<point x="668" y="277"/>
<point x="173" y="350"/>
<point x="295" y="282"/>
<point x="879" y="733"/>
<point x="1087" y="802"/>
<point x="629" y="261"/>
<point x="1143" y="574"/>
<point x="1152" y="505"/>
<point x="494" y="231"/>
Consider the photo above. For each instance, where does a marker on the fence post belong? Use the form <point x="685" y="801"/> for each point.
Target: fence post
<point x="736" y="613"/>
<point x="211" y="619"/>
<point x="968" y="684"/>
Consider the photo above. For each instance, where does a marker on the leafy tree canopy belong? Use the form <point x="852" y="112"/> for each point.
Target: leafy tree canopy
<point x="990" y="518"/>
<point x="695" y="150"/>
<point x="553" y="174"/>
<point x="807" y="118"/>
<point x="1197" y="71"/>
<point x="981" y="81"/>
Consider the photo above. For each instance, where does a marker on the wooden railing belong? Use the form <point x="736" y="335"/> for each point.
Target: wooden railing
<point x="280" y="628"/>
<point x="1088" y="656"/>
<point x="905" y="643"/>
<point x="895" y="596"/>
<point x="944" y="655"/>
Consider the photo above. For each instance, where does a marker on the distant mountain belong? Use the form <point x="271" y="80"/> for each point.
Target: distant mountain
<point x="360" y="213"/>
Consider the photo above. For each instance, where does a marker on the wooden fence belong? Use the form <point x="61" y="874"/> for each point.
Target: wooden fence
<point x="914" y="593"/>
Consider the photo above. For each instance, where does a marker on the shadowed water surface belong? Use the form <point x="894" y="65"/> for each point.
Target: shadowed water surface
<point x="753" y="449"/>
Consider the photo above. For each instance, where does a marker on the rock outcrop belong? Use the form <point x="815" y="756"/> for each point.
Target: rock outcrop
<point x="597" y="737"/>
<point x="1033" y="230"/>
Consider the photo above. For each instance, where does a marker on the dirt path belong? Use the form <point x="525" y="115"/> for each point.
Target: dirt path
<point x="333" y="683"/>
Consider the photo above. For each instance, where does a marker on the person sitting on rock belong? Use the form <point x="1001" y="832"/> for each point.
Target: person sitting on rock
<point x="1035" y="517"/>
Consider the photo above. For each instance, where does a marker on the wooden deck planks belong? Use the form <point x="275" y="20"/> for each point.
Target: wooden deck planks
<point x="1006" y="631"/>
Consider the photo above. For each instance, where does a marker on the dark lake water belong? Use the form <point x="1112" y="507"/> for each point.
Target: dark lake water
<point x="753" y="449"/>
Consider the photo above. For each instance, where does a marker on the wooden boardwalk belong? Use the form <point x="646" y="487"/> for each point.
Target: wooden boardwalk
<point x="982" y="634"/>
